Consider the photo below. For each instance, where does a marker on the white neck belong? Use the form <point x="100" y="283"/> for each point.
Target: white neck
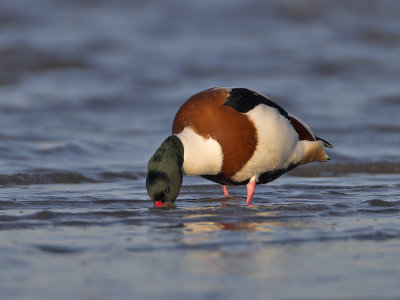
<point x="201" y="156"/>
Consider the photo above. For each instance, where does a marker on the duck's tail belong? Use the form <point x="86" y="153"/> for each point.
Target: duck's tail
<point x="326" y="143"/>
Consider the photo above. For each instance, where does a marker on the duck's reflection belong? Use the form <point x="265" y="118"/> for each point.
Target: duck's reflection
<point x="215" y="226"/>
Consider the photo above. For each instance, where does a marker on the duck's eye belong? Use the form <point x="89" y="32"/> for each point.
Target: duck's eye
<point x="167" y="190"/>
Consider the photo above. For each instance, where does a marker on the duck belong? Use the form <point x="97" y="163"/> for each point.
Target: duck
<point x="230" y="136"/>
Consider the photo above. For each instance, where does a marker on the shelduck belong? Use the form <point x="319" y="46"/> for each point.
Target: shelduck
<point x="231" y="136"/>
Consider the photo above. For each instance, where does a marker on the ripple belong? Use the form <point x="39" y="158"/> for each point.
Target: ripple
<point x="340" y="169"/>
<point x="114" y="175"/>
<point x="383" y="203"/>
<point x="58" y="249"/>
<point x="43" y="178"/>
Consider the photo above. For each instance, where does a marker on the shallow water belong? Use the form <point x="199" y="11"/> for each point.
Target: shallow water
<point x="88" y="91"/>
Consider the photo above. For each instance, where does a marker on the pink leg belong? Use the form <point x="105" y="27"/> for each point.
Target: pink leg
<point x="251" y="187"/>
<point x="225" y="189"/>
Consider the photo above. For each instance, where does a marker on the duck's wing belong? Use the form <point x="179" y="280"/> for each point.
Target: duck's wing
<point x="244" y="100"/>
<point x="305" y="132"/>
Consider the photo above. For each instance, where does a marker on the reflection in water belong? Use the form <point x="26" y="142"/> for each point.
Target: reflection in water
<point x="216" y="226"/>
<point x="87" y="94"/>
<point x="259" y="226"/>
<point x="202" y="227"/>
<point x="259" y="218"/>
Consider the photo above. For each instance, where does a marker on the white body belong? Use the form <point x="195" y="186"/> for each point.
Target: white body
<point x="278" y="146"/>
<point x="276" y="141"/>
<point x="201" y="156"/>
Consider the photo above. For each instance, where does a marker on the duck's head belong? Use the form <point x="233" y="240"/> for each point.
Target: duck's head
<point x="164" y="172"/>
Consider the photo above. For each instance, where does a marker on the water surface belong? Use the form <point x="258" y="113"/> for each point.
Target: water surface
<point x="88" y="91"/>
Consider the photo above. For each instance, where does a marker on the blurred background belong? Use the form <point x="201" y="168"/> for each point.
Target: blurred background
<point x="88" y="91"/>
<point x="83" y="81"/>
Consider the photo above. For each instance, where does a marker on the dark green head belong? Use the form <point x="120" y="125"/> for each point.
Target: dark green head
<point x="164" y="172"/>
